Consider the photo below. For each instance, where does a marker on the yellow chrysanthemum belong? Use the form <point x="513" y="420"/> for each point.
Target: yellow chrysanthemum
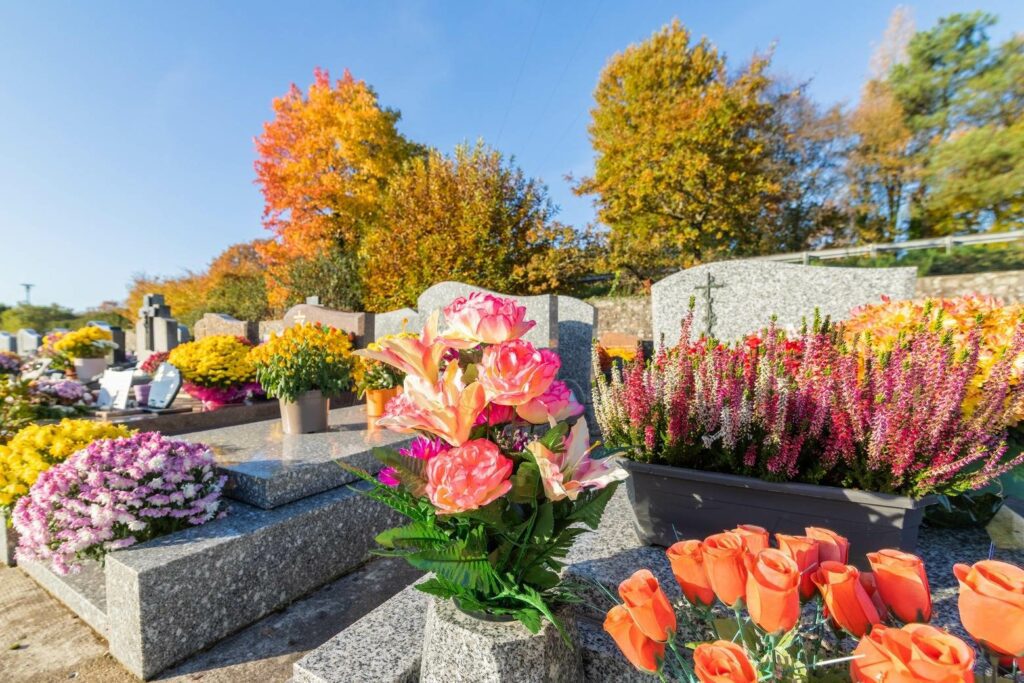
<point x="217" y="361"/>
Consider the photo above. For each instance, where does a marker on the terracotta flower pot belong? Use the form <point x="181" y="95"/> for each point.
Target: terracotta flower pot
<point x="307" y="414"/>
<point x="376" y="399"/>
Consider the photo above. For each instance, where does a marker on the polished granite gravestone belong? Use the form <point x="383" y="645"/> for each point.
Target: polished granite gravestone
<point x="161" y="601"/>
<point x="744" y="295"/>
<point x="268" y="468"/>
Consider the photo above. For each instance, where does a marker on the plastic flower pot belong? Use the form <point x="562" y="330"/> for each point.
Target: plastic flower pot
<point x="88" y="369"/>
<point x="377" y="399"/>
<point x="307" y="414"/>
<point x="677" y="503"/>
<point x="141" y="393"/>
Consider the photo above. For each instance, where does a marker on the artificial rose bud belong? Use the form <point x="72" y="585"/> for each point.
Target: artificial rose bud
<point x="804" y="551"/>
<point x="723" y="561"/>
<point x="773" y="591"/>
<point x="845" y="598"/>
<point x="831" y="546"/>
<point x="903" y="584"/>
<point x="755" y="538"/>
<point x="992" y="605"/>
<point x="723" y="661"/>
<point x="648" y="605"/>
<point x="687" y="560"/>
<point x="641" y="651"/>
<point x="917" y="653"/>
<point x="867" y="579"/>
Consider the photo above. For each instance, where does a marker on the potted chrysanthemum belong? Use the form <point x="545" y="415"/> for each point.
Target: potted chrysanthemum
<point x="216" y="370"/>
<point x="377" y="381"/>
<point x="87" y="347"/>
<point x="303" y="367"/>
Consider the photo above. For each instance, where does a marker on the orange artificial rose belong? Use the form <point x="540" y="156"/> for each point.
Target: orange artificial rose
<point x="642" y="652"/>
<point x="867" y="579"/>
<point x="723" y="661"/>
<point x="687" y="560"/>
<point x="831" y="546"/>
<point x="648" y="605"/>
<point x="903" y="584"/>
<point x="723" y="561"/>
<point x="915" y="653"/>
<point x="845" y="598"/>
<point x="804" y="551"/>
<point x="773" y="591"/>
<point x="992" y="605"/>
<point x="755" y="538"/>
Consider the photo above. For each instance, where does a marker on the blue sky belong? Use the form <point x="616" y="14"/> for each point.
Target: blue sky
<point x="126" y="128"/>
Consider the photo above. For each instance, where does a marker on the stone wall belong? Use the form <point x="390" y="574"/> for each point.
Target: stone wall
<point x="1007" y="285"/>
<point x="626" y="314"/>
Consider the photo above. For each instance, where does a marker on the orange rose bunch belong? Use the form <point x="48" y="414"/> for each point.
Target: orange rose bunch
<point x="886" y="609"/>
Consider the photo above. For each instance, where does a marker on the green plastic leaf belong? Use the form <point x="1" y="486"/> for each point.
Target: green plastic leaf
<point x="591" y="509"/>
<point x="415" y="535"/>
<point x="462" y="562"/>
<point x="554" y="438"/>
<point x="530" y="618"/>
<point x="544" y="526"/>
<point x="438" y="588"/>
<point x="525" y="483"/>
<point x="411" y="472"/>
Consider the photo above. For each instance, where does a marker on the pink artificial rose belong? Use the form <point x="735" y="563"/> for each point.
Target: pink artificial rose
<point x="468" y="477"/>
<point x="557" y="403"/>
<point x="515" y="372"/>
<point x="486" y="319"/>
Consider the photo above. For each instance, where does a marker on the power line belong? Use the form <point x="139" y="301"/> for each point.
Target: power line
<point x="522" y="68"/>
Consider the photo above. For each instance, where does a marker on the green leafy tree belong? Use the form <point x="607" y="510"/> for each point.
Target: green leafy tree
<point x="38" y="318"/>
<point x="684" y="171"/>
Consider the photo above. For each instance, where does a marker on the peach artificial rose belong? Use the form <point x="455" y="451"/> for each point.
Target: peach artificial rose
<point x="447" y="409"/>
<point x="468" y="477"/>
<point x="846" y="600"/>
<point x="723" y="661"/>
<point x="558" y="403"/>
<point x="804" y="551"/>
<point x="687" y="560"/>
<point x="755" y="538"/>
<point x="648" y="605"/>
<point x="642" y="652"/>
<point x="773" y="590"/>
<point x="515" y="372"/>
<point x="992" y="605"/>
<point x="915" y="653"/>
<point x="485" y="319"/>
<point x="903" y="584"/>
<point x="723" y="561"/>
<point x="831" y="546"/>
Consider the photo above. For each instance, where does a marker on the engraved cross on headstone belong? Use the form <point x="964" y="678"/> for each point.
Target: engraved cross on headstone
<point x="709" y="312"/>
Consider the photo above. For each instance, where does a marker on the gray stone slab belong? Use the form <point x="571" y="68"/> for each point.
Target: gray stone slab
<point x="393" y="322"/>
<point x="8" y="342"/>
<point x="353" y="322"/>
<point x="382" y="647"/>
<point x="212" y="324"/>
<point x="577" y="321"/>
<point x="1007" y="528"/>
<point x="84" y="593"/>
<point x="748" y="293"/>
<point x="8" y="542"/>
<point x="268" y="468"/>
<point x="602" y="660"/>
<point x="176" y="595"/>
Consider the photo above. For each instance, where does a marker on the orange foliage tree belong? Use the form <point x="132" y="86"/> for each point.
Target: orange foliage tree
<point x="323" y="164"/>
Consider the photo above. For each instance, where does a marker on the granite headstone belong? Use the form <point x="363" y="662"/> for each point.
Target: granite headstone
<point x="8" y="342"/>
<point x="220" y="323"/>
<point x="348" y="321"/>
<point x="744" y="294"/>
<point x="28" y="341"/>
<point x="115" y="389"/>
<point x="164" y="387"/>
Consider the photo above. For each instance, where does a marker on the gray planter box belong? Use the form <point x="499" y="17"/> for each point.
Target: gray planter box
<point x="676" y="503"/>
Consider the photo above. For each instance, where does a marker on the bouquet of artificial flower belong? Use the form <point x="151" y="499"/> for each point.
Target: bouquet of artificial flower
<point x="152" y="363"/>
<point x="887" y="609"/>
<point x="303" y="358"/>
<point x="217" y="369"/>
<point x="10" y="363"/>
<point x="113" y="494"/>
<point x="497" y="483"/>
<point x="85" y="342"/>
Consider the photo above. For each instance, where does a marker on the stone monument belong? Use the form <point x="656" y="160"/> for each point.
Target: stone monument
<point x="155" y="330"/>
<point x="8" y="342"/>
<point x="28" y="341"/>
<point x="220" y="323"/>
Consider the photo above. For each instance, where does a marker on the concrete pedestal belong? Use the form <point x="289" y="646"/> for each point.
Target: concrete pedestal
<point x="458" y="647"/>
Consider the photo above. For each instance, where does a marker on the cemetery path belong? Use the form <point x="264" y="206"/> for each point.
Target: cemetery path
<point x="42" y="642"/>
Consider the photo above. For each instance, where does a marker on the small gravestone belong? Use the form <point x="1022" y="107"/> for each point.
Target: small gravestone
<point x="184" y="336"/>
<point x="164" y="387"/>
<point x="28" y="341"/>
<point x="115" y="389"/>
<point x="212" y="324"/>
<point x="347" y="321"/>
<point x="8" y="342"/>
<point x="736" y="298"/>
<point x="117" y="355"/>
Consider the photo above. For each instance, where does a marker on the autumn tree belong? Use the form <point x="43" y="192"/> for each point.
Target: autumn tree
<point x="323" y="164"/>
<point x="470" y="216"/>
<point x="683" y="172"/>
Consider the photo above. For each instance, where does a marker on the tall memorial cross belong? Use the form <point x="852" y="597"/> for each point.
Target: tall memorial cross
<point x="709" y="300"/>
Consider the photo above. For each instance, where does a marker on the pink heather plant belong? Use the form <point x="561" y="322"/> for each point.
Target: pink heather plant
<point x="113" y="494"/>
<point x="815" y="409"/>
